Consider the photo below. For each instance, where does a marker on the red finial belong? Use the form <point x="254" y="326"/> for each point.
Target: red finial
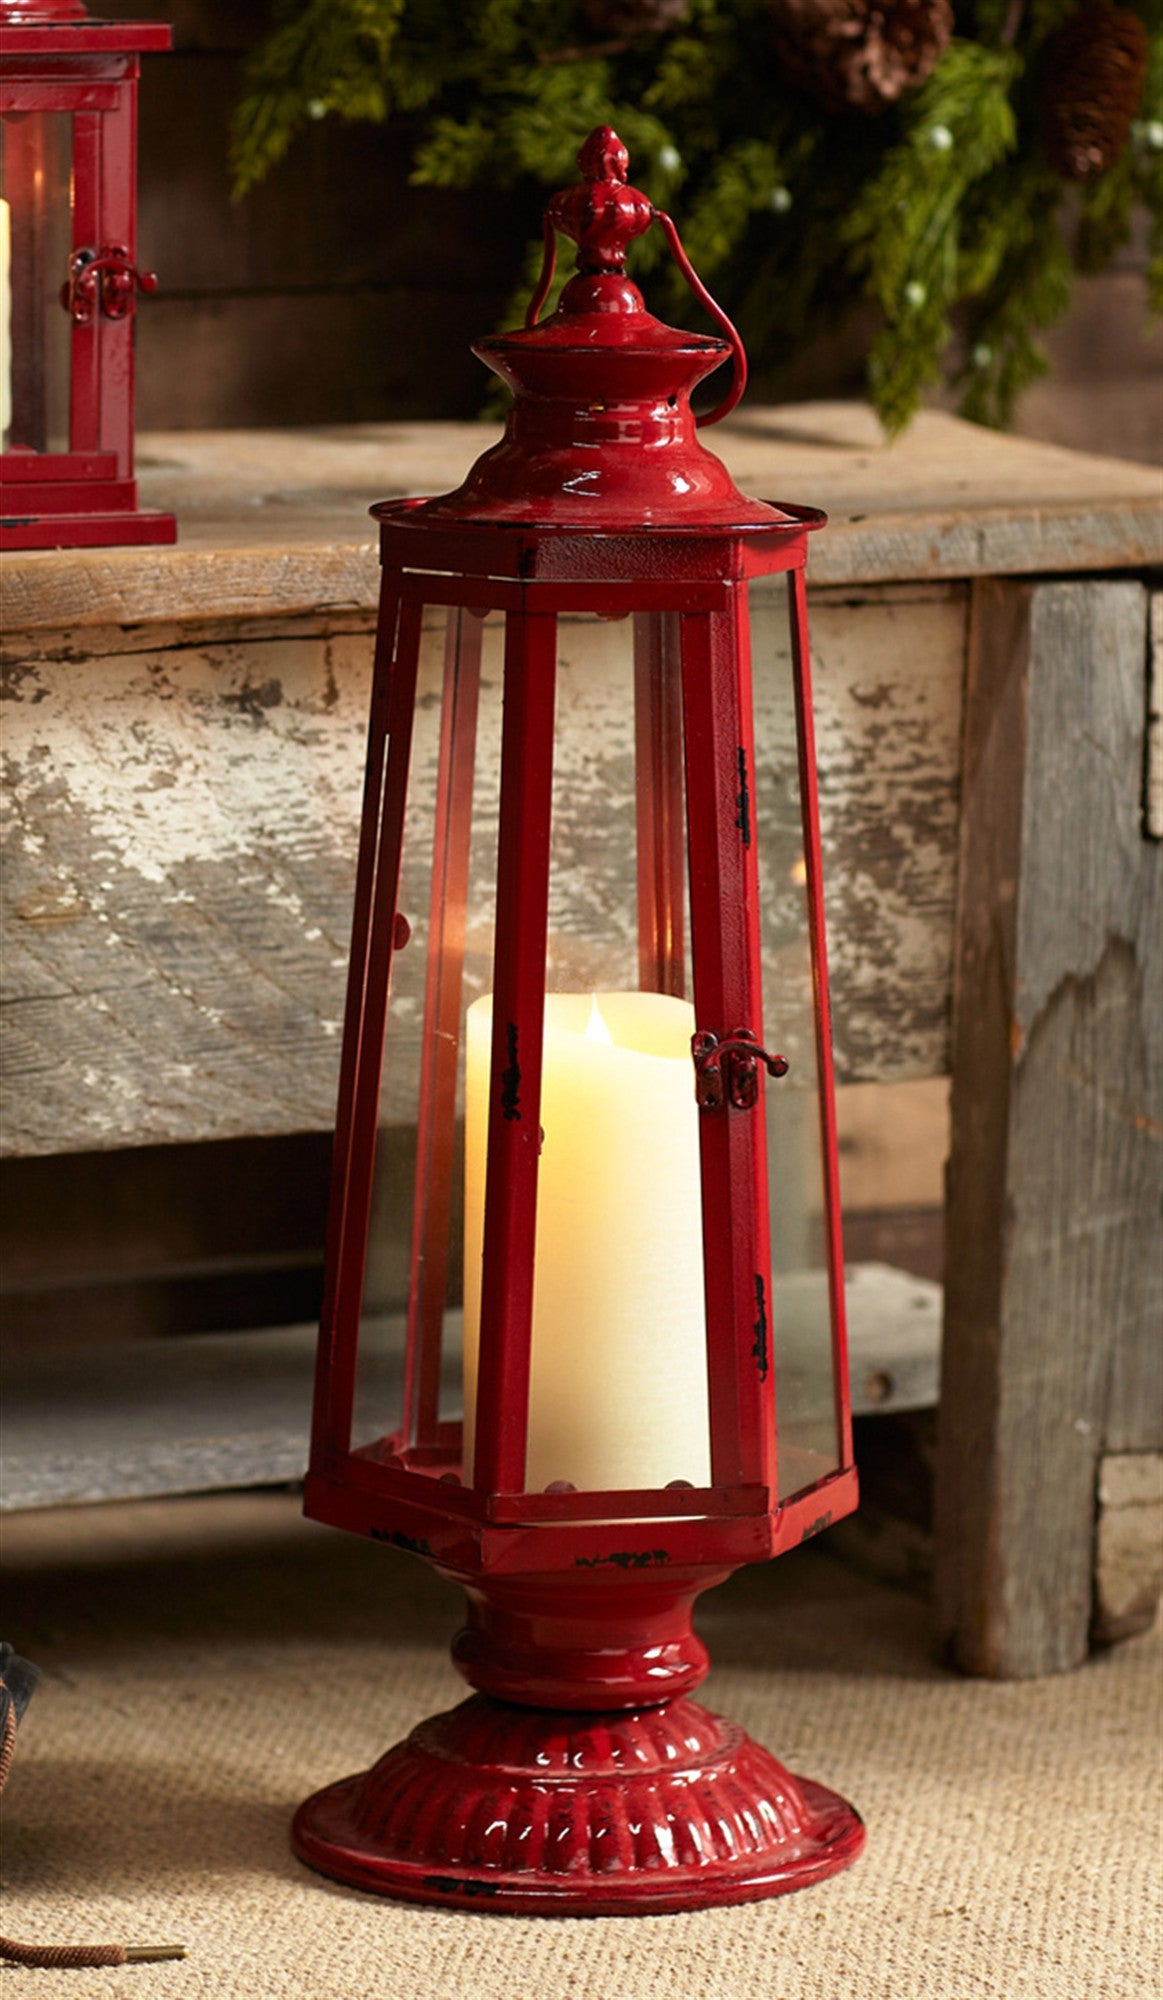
<point x="603" y="215"/>
<point x="604" y="157"/>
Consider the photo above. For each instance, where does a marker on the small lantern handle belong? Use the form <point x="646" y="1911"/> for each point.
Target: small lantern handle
<point x="602" y="217"/>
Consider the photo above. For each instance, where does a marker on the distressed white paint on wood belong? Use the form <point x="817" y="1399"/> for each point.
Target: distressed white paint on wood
<point x="180" y="839"/>
<point x="277" y="520"/>
<point x="894" y="1339"/>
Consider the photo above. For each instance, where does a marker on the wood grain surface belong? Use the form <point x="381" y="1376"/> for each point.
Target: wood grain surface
<point x="180" y="842"/>
<point x="1052" y="1275"/>
<point x="274" y="522"/>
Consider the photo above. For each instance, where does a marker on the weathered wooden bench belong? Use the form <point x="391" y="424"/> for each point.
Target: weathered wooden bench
<point x="184" y="740"/>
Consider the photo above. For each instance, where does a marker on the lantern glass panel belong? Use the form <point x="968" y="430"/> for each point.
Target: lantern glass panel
<point x="616" y="1235"/>
<point x="618" y="1386"/>
<point x="447" y="898"/>
<point x="809" y="1444"/>
<point x="36" y="240"/>
<point x="618" y="1374"/>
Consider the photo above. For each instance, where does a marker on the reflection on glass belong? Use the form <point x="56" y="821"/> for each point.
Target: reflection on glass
<point x="448" y="898"/>
<point x="36" y="230"/>
<point x="808" y="1438"/>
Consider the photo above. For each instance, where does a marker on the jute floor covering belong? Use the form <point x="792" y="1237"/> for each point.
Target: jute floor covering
<point x="209" y="1661"/>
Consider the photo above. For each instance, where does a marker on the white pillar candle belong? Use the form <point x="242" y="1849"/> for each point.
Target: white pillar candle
<point x="618" y="1389"/>
<point x="5" y="318"/>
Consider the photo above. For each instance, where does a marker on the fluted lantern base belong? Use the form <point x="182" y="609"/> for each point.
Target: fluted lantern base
<point x="549" y="1813"/>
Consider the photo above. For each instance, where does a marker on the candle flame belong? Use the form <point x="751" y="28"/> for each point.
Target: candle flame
<point x="596" y="1029"/>
<point x="799" y="871"/>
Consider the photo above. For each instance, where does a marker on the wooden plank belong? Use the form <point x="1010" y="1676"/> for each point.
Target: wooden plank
<point x="180" y="842"/>
<point x="277" y="520"/>
<point x="1054" y="1179"/>
<point x="1128" y="1546"/>
<point x="143" y="1418"/>
<point x="1134" y="1415"/>
<point x="1153" y="803"/>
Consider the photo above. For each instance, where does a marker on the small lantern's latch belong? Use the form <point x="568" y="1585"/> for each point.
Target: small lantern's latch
<point x="107" y="280"/>
<point x="727" y="1071"/>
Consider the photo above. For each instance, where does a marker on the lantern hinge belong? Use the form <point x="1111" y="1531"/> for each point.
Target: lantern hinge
<point x="727" y="1071"/>
<point x="105" y="280"/>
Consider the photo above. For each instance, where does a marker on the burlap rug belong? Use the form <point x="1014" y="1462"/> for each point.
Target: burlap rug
<point x="207" y="1662"/>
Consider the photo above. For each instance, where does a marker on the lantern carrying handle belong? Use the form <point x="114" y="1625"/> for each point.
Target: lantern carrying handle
<point x="602" y="217"/>
<point x="696" y="285"/>
<point x="548" y="267"/>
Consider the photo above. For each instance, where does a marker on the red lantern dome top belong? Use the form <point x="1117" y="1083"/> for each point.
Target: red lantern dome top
<point x="601" y="435"/>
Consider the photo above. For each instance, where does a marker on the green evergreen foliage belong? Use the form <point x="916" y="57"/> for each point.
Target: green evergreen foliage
<point x="942" y="209"/>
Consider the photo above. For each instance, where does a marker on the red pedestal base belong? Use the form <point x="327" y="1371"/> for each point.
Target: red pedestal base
<point x="549" y="1813"/>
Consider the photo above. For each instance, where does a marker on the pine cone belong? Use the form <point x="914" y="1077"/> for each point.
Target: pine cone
<point x="860" y="55"/>
<point x="627" y="18"/>
<point x="1096" y="64"/>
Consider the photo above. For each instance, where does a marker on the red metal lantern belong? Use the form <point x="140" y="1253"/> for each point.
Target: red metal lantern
<point x="68" y="276"/>
<point x="653" y="1367"/>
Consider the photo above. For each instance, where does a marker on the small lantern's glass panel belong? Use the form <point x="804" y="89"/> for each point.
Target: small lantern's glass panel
<point x="36" y="241"/>
<point x="808" y="1431"/>
<point x="414" y="1266"/>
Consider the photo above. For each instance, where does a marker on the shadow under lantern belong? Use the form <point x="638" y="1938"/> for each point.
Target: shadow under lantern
<point x="69" y="278"/>
<point x="578" y="1194"/>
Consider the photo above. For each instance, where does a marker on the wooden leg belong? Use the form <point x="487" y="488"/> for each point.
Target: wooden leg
<point x="1051" y="1350"/>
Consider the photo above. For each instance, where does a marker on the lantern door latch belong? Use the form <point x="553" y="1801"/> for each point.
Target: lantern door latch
<point x="105" y="280"/>
<point x="727" y="1071"/>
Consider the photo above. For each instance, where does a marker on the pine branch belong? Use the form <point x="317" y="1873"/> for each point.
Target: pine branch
<point x="904" y="230"/>
<point x="1029" y="290"/>
<point x="1147" y="141"/>
<point x="942" y="204"/>
<point x="327" y="55"/>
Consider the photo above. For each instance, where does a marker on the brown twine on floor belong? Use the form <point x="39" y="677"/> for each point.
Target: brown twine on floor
<point x="79" y="1955"/>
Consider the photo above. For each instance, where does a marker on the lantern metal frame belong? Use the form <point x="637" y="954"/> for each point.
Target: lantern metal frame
<point x="564" y="1783"/>
<point x="54" y="59"/>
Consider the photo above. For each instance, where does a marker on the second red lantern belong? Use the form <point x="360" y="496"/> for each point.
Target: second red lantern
<point x="69" y="278"/>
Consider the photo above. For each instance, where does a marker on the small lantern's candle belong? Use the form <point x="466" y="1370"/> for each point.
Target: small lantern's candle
<point x="618" y="1394"/>
<point x="5" y="318"/>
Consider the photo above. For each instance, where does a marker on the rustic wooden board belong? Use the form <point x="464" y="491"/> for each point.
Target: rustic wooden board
<point x="1153" y="804"/>
<point x="180" y="845"/>
<point x="274" y="521"/>
<point x="1128" y="1545"/>
<point x="184" y="1416"/>
<point x="1057" y="1111"/>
